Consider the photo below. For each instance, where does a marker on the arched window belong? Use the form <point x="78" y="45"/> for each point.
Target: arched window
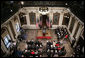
<point x="5" y="37"/>
<point x="66" y="19"/>
<point x="32" y="17"/>
<point x="56" y="18"/>
<point x="12" y="29"/>
<point x="17" y="25"/>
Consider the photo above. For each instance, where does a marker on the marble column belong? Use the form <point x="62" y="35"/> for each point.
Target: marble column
<point x="51" y="16"/>
<point x="74" y="27"/>
<point x="78" y="34"/>
<point x="27" y="18"/>
<point x="61" y="19"/>
<point x="13" y="24"/>
<point x="70" y="21"/>
<point x="10" y="32"/>
<point x="18" y="19"/>
<point x="37" y="15"/>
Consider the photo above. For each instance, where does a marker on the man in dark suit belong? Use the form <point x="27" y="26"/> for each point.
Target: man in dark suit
<point x="44" y="31"/>
<point x="31" y="42"/>
<point x="73" y="41"/>
<point x="37" y="47"/>
<point x="28" y="42"/>
<point x="52" y="53"/>
<point x="48" y="46"/>
<point x="22" y="30"/>
<point x="36" y="42"/>
<point x="29" y="47"/>
<point x="49" y="43"/>
<point x="59" y="53"/>
<point x="48" y="53"/>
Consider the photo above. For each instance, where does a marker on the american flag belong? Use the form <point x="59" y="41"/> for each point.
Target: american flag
<point x="40" y="22"/>
<point x="48" y="23"/>
<point x="37" y="24"/>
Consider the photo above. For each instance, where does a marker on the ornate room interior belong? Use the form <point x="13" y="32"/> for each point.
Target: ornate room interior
<point x="42" y="29"/>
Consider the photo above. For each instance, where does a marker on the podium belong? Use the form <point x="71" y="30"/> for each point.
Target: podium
<point x="40" y="34"/>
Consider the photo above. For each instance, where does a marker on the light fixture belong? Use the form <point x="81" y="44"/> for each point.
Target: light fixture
<point x="11" y="10"/>
<point x="22" y="2"/>
<point x="11" y="2"/>
<point x="66" y="16"/>
<point x="43" y="10"/>
<point x="66" y="4"/>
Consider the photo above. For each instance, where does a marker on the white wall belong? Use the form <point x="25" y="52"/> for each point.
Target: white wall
<point x="52" y="10"/>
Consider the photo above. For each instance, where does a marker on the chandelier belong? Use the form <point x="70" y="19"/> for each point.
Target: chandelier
<point x="43" y="10"/>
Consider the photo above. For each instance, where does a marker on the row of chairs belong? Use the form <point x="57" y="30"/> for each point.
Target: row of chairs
<point x="55" y="50"/>
<point x="35" y="49"/>
<point x="34" y="44"/>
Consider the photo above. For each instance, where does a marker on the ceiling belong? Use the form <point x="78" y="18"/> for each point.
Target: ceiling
<point x="9" y="8"/>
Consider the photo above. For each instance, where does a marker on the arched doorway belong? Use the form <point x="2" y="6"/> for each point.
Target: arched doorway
<point x="44" y="19"/>
<point x="22" y="18"/>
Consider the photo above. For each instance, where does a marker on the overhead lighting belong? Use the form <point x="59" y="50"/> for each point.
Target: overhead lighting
<point x="43" y="13"/>
<point x="43" y="10"/>
<point x="11" y="10"/>
<point x="66" y="16"/>
<point x="22" y="2"/>
<point x="66" y="4"/>
<point x="11" y="1"/>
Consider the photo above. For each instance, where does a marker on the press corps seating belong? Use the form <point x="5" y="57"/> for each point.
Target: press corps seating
<point x="61" y="32"/>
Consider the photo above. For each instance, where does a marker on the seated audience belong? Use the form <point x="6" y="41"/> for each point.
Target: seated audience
<point x="61" y="32"/>
<point x="35" y="49"/>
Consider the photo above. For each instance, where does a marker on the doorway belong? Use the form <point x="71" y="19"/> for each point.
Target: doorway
<point x="44" y="19"/>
